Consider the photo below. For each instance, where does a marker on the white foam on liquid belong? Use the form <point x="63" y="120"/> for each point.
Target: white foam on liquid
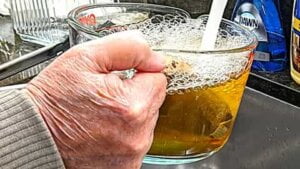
<point x="193" y="70"/>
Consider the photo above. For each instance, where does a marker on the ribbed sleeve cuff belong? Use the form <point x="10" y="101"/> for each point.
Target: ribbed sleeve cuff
<point x="25" y="141"/>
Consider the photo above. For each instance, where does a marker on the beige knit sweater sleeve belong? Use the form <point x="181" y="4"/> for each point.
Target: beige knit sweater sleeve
<point x="25" y="141"/>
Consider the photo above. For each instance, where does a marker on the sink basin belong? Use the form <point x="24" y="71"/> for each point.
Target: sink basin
<point x="266" y="136"/>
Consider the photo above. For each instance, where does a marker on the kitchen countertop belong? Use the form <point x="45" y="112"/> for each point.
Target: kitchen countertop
<point x="279" y="85"/>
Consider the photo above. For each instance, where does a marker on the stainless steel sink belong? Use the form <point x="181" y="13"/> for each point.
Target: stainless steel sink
<point x="266" y="136"/>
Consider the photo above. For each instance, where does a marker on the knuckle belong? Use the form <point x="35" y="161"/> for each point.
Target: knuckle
<point x="138" y="146"/>
<point x="134" y="112"/>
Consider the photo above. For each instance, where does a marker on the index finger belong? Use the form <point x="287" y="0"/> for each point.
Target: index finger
<point x="122" y="51"/>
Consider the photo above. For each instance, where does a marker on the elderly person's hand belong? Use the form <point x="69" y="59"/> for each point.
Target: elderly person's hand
<point x="97" y="119"/>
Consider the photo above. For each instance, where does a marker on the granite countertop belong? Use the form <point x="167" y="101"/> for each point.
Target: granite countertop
<point x="279" y="85"/>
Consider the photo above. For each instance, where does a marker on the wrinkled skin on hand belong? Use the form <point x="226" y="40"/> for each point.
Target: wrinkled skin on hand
<point x="97" y="119"/>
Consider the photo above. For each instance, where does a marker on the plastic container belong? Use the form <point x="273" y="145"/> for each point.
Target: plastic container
<point x="263" y="18"/>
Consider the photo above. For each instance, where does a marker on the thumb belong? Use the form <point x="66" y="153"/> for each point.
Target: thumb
<point x="122" y="51"/>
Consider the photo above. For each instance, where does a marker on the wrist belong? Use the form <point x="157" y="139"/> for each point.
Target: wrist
<point x="34" y="96"/>
<point x="32" y="133"/>
<point x="105" y="162"/>
<point x="43" y="107"/>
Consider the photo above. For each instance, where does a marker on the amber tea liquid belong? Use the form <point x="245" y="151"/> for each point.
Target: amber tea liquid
<point x="198" y="121"/>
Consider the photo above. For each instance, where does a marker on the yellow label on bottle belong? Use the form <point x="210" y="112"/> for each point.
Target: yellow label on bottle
<point x="295" y="52"/>
<point x="296" y="24"/>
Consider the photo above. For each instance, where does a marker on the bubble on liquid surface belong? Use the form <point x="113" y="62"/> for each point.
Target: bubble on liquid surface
<point x="186" y="70"/>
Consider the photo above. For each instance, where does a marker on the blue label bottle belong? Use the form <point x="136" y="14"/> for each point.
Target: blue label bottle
<point x="263" y="18"/>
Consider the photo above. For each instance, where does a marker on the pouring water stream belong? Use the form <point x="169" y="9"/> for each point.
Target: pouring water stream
<point x="213" y="24"/>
